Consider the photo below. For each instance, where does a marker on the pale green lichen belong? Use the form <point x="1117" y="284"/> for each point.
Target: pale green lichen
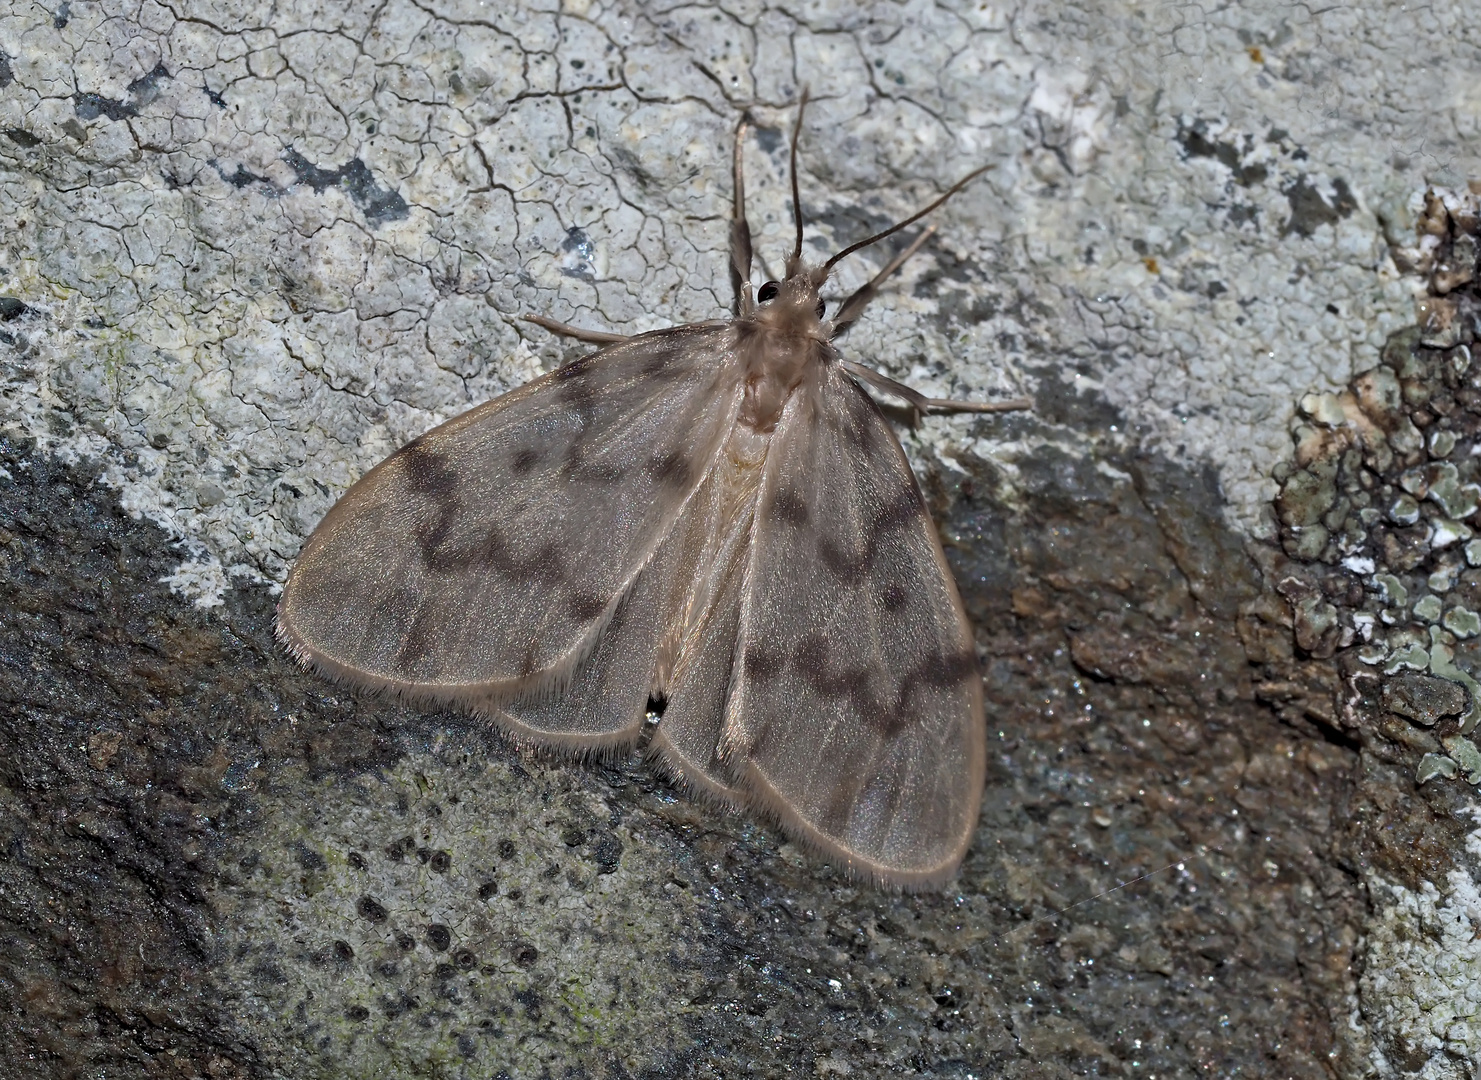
<point x="1392" y="589"/>
<point x="1410" y="656"/>
<point x="1427" y="608"/>
<point x="1433" y="765"/>
<point x="1462" y="622"/>
<point x="1445" y="532"/>
<point x="1465" y="754"/>
<point x="1442" y="442"/>
<point x="1403" y="510"/>
<point x="1442" y="663"/>
<point x="1457" y="500"/>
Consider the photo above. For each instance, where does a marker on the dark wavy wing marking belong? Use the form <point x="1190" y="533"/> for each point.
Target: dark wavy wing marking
<point x="673" y="634"/>
<point x="480" y="562"/>
<point x="603" y="704"/>
<point x="855" y="713"/>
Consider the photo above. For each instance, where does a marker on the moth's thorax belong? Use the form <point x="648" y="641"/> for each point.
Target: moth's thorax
<point x="780" y="341"/>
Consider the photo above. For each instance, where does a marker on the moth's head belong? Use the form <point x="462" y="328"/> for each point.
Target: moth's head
<point x="792" y="305"/>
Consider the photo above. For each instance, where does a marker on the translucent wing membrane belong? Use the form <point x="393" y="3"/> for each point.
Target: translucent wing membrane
<point x="855" y="713"/>
<point x="480" y="563"/>
<point x="697" y="683"/>
<point x="716" y="515"/>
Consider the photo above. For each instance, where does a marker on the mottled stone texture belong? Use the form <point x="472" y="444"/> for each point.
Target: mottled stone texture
<point x="319" y="886"/>
<point x="251" y="248"/>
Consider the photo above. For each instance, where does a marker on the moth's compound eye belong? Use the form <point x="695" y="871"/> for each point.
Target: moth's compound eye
<point x="768" y="291"/>
<point x="822" y="307"/>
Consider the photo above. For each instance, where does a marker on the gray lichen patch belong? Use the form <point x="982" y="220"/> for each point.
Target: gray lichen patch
<point x="1378" y="511"/>
<point x="1422" y="978"/>
<point x="263" y="249"/>
<point x="454" y="916"/>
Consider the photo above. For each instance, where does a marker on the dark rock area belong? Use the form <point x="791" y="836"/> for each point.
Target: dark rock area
<point x="1151" y="720"/>
<point x="122" y="711"/>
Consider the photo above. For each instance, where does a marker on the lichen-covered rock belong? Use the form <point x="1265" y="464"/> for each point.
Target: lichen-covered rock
<point x="1423" y="698"/>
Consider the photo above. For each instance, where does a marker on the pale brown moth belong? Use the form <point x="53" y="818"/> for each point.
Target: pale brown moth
<point x="716" y="517"/>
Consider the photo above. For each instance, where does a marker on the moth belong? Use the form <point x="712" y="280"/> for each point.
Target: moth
<point x="712" y="522"/>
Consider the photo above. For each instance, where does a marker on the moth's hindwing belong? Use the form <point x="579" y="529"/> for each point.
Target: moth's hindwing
<point x="855" y="715"/>
<point x="481" y="562"/>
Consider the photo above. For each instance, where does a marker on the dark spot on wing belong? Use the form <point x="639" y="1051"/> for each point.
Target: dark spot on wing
<point x="812" y="660"/>
<point x="544" y="567"/>
<point x="671" y="469"/>
<point x="389" y="619"/>
<point x="851" y="567"/>
<point x="787" y="507"/>
<point x="903" y="509"/>
<point x="842" y="563"/>
<point x="938" y="671"/>
<point x="834" y="678"/>
<point x="585" y="607"/>
<point x="841" y="801"/>
<point x="941" y="671"/>
<point x="894" y="596"/>
<point x="762" y="663"/>
<point x="419" y="641"/>
<point x="861" y="423"/>
<point x="428" y="472"/>
<point x="579" y="465"/>
<point x="661" y="354"/>
<point x="525" y="460"/>
<point x="580" y="395"/>
<point x="491" y="551"/>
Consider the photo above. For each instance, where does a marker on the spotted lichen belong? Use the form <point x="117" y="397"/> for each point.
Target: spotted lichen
<point x="1379" y="507"/>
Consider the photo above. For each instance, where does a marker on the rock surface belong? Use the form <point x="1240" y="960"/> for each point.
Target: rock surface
<point x="1222" y="575"/>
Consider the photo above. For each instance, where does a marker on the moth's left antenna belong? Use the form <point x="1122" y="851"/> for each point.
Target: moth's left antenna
<point x="740" y="232"/>
<point x="796" y="260"/>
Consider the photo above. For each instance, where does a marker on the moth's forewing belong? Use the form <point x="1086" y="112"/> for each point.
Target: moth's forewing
<point x="481" y="562"/>
<point x="601" y="705"/>
<point x="716" y="532"/>
<point x="855" y="715"/>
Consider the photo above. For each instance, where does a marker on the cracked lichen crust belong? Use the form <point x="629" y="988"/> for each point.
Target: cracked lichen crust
<point x="1421" y="986"/>
<point x="263" y="248"/>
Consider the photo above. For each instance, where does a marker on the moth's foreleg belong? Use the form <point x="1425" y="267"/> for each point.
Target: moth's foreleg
<point x="591" y="337"/>
<point x="740" y="235"/>
<point x="854" y="306"/>
<point x="921" y="404"/>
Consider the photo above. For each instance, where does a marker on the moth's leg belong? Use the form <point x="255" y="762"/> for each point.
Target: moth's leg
<point x="740" y="234"/>
<point x="854" y="306"/>
<point x="591" y="337"/>
<point x="922" y="404"/>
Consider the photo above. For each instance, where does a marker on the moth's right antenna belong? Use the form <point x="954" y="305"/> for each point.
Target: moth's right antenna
<point x="822" y="273"/>
<point x="796" y="260"/>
